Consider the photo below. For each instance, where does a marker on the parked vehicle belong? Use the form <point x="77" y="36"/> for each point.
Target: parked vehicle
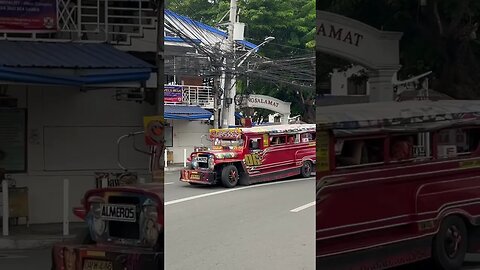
<point x="397" y="182"/>
<point x="125" y="228"/>
<point x="252" y="155"/>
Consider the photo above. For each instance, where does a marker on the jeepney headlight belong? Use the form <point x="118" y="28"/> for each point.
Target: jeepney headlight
<point x="150" y="226"/>
<point x="98" y="225"/>
<point x="194" y="163"/>
<point x="211" y="162"/>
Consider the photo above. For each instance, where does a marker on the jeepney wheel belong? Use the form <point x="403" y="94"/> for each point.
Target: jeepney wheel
<point x="306" y="170"/>
<point x="450" y="244"/>
<point x="230" y="176"/>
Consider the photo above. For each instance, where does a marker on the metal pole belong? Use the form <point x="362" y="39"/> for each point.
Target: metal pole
<point x="65" y="207"/>
<point x="230" y="64"/>
<point x="216" y="113"/>
<point x="184" y="157"/>
<point x="165" y="159"/>
<point x="5" y="207"/>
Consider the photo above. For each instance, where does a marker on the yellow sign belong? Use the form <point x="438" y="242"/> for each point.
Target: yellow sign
<point x="253" y="160"/>
<point x="154" y="129"/>
<point x="323" y="150"/>
<point x="265" y="140"/>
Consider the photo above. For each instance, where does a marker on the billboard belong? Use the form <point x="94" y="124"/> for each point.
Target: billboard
<point x="28" y="16"/>
<point x="172" y="93"/>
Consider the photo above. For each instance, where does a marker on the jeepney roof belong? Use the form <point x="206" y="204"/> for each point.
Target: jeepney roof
<point x="270" y="129"/>
<point x="391" y="114"/>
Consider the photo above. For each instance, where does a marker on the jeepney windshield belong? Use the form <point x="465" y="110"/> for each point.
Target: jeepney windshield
<point x="225" y="143"/>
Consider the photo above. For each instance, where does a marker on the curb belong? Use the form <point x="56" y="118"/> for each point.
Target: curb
<point x="173" y="169"/>
<point x="10" y="243"/>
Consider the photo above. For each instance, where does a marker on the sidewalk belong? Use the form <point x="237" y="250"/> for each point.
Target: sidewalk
<point x="38" y="235"/>
<point x="174" y="167"/>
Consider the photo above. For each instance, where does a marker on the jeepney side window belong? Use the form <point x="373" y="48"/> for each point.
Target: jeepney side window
<point x="254" y="144"/>
<point x="291" y="139"/>
<point x="457" y="141"/>
<point x="297" y="138"/>
<point x="352" y="152"/>
<point x="278" y="139"/>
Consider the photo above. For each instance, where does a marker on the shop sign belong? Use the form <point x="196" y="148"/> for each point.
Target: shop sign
<point x="28" y="16"/>
<point x="269" y="103"/>
<point x="173" y="94"/>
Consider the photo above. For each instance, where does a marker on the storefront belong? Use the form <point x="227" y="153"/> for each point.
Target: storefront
<point x="60" y="121"/>
<point x="188" y="128"/>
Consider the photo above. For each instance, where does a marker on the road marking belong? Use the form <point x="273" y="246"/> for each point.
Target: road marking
<point x="232" y="190"/>
<point x="169" y="183"/>
<point x="303" y="207"/>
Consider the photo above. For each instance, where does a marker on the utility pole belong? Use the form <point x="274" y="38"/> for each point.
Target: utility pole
<point x="228" y="111"/>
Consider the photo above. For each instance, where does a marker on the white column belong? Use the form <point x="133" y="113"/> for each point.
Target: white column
<point x="380" y="85"/>
<point x="165" y="158"/>
<point x="184" y="157"/>
<point x="65" y="207"/>
<point x="6" y="207"/>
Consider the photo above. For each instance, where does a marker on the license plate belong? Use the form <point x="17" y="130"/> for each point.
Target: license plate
<point x="195" y="176"/>
<point x="202" y="159"/>
<point x="97" y="265"/>
<point x="118" y="212"/>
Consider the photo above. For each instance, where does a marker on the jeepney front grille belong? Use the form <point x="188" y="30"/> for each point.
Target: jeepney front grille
<point x="203" y="164"/>
<point x="120" y="229"/>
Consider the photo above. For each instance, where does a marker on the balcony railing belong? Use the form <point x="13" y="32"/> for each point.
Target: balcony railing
<point x="196" y="96"/>
<point x="113" y="21"/>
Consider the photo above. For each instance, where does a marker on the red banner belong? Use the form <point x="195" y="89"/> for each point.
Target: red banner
<point x="28" y="16"/>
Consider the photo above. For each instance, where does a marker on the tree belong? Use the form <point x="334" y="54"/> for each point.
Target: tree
<point x="440" y="36"/>
<point x="292" y="23"/>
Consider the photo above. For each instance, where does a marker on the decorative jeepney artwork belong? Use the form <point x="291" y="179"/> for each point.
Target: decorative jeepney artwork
<point x="250" y="155"/>
<point x="419" y="161"/>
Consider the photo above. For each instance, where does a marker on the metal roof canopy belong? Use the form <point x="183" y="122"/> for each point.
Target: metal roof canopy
<point x="208" y="34"/>
<point x="68" y="63"/>
<point x="389" y="114"/>
<point x="186" y="113"/>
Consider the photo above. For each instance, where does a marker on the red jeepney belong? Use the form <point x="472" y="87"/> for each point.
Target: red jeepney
<point x="397" y="182"/>
<point x="125" y="230"/>
<point x="251" y="155"/>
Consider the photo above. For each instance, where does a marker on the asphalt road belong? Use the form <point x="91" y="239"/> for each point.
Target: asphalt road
<point x="254" y="227"/>
<point x="265" y="226"/>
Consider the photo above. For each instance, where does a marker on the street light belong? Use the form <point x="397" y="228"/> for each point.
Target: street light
<point x="245" y="56"/>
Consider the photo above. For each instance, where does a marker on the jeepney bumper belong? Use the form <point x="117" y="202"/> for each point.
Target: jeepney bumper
<point x="92" y="257"/>
<point x="199" y="177"/>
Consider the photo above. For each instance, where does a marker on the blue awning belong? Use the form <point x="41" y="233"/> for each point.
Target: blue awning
<point x="186" y="113"/>
<point x="72" y="64"/>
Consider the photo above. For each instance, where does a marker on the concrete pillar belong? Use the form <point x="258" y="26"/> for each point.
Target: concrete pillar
<point x="380" y="85"/>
